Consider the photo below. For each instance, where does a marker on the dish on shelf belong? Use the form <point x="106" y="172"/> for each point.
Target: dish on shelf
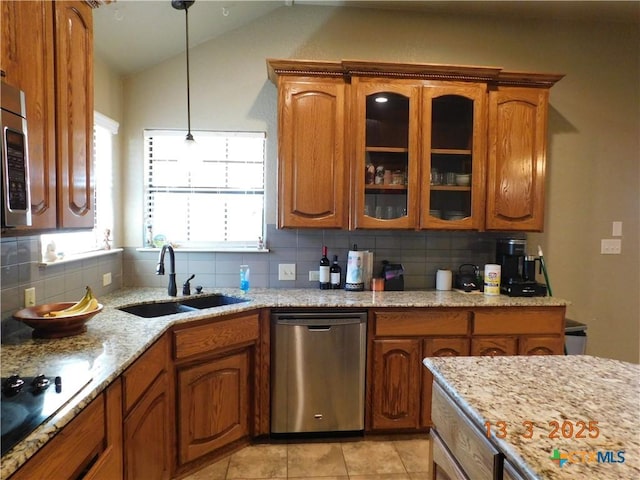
<point x="58" y="326"/>
<point x="463" y="179"/>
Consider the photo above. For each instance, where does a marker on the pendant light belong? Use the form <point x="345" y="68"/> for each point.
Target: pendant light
<point x="184" y="5"/>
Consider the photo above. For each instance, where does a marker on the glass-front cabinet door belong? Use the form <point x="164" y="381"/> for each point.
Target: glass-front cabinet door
<point x="386" y="169"/>
<point x="453" y="151"/>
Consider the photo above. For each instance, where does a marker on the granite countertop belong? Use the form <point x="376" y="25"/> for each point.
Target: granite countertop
<point x="543" y="389"/>
<point x="114" y="339"/>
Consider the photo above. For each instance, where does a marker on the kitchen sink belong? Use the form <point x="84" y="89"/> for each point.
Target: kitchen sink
<point x="159" y="309"/>
<point x="151" y="310"/>
<point x="210" y="301"/>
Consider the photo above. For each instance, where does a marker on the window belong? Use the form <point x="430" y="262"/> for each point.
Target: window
<point x="67" y="245"/>
<point x="208" y="195"/>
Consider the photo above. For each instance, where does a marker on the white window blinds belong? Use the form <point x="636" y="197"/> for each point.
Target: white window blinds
<point x="210" y="196"/>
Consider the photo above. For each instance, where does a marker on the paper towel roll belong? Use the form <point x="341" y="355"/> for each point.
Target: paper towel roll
<point x="355" y="270"/>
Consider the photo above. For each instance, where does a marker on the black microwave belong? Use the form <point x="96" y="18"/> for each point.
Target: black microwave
<point x="16" y="198"/>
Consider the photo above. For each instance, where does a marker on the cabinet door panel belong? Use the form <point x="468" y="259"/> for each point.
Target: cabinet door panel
<point x="517" y="144"/>
<point x="494" y="346"/>
<point x="386" y="138"/>
<point x="28" y="62"/>
<point x="541" y="345"/>
<point x="438" y="347"/>
<point x="148" y="421"/>
<point x="74" y="110"/>
<point x="213" y="405"/>
<point x="396" y="389"/>
<point x="312" y="170"/>
<point x="454" y="142"/>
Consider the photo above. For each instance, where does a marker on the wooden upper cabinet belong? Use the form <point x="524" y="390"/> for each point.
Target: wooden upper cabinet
<point x="516" y="163"/>
<point x="451" y="120"/>
<point x="74" y="110"/>
<point x="385" y="121"/>
<point x="454" y="144"/>
<point x="27" y="56"/>
<point x="312" y="173"/>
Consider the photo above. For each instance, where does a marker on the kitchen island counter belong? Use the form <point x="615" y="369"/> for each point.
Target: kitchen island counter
<point x="522" y="397"/>
<point x="115" y="339"/>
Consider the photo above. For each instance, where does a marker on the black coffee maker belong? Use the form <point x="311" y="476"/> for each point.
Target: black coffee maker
<point x="518" y="270"/>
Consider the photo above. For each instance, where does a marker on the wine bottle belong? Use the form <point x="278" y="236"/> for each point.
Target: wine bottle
<point x="335" y="273"/>
<point x="325" y="277"/>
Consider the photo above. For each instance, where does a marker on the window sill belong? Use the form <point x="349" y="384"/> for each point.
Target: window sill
<point x="207" y="250"/>
<point x="81" y="256"/>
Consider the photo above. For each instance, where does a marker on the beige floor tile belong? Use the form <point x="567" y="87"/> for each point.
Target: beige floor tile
<point x="365" y="458"/>
<point x="259" y="461"/>
<point x="315" y="460"/>
<point x="415" y="454"/>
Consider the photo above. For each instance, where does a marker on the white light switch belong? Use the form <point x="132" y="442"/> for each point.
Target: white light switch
<point x="616" y="231"/>
<point x="286" y="271"/>
<point x="30" y="297"/>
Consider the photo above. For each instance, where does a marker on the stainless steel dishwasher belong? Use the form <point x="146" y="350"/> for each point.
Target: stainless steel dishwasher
<point x="317" y="371"/>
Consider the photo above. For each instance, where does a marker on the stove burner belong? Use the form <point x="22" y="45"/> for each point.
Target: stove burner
<point x="28" y="402"/>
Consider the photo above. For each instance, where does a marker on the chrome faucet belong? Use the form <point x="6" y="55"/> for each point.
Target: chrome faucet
<point x="173" y="289"/>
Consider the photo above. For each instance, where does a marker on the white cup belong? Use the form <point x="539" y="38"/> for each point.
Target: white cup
<point x="443" y="279"/>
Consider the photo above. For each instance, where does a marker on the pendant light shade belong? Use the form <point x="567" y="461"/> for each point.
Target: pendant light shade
<point x="184" y="5"/>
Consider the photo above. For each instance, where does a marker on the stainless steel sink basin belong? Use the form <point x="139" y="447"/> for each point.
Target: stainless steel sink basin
<point x="151" y="310"/>
<point x="190" y="304"/>
<point x="209" y="301"/>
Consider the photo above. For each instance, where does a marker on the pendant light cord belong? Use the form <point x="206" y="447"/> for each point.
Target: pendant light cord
<point x="186" y="19"/>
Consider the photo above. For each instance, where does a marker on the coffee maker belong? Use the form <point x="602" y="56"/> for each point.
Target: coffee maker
<point x="518" y="270"/>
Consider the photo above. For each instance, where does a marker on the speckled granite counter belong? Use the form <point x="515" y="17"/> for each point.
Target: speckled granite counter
<point x="543" y="389"/>
<point x="114" y="339"/>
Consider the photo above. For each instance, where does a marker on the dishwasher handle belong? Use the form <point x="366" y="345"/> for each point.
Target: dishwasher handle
<point x="319" y="319"/>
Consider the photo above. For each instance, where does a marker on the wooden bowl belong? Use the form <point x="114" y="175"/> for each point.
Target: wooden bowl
<point x="54" y="327"/>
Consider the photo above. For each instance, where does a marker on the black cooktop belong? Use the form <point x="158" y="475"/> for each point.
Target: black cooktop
<point x="27" y="402"/>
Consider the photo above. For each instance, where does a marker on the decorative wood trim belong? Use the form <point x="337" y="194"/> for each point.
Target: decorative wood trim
<point x="418" y="71"/>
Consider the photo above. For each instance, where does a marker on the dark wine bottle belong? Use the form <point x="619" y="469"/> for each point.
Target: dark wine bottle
<point x="335" y="273"/>
<point x="325" y="274"/>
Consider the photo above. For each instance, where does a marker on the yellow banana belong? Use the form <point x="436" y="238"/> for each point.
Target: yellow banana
<point x="86" y="304"/>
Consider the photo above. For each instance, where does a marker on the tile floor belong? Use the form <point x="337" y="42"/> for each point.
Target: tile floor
<point x="383" y="458"/>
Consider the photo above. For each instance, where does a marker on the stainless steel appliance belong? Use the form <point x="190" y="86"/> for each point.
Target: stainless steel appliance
<point x="26" y="402"/>
<point x="517" y="270"/>
<point x="318" y="371"/>
<point x="16" y="201"/>
<point x="575" y="337"/>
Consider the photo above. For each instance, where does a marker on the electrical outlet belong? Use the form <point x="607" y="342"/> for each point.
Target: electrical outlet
<point x="286" y="271"/>
<point x="106" y="279"/>
<point x="314" y="275"/>
<point x="30" y="297"/>
<point x="616" y="229"/>
<point x="610" y="246"/>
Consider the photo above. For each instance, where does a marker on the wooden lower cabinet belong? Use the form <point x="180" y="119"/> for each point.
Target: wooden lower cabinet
<point x="396" y="388"/>
<point x="218" y="395"/>
<point x="148" y="407"/>
<point x="89" y="447"/>
<point x="400" y="386"/>
<point x="214" y="405"/>
<point x="148" y="420"/>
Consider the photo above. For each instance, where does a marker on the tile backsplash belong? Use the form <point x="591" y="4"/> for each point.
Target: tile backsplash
<point x="64" y="282"/>
<point x="420" y="253"/>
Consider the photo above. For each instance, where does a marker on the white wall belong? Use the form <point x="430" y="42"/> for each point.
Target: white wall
<point x="593" y="158"/>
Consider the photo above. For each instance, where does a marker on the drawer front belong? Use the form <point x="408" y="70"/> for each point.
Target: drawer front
<point x="477" y="457"/>
<point x="518" y="321"/>
<point x="216" y="335"/>
<point x="139" y="376"/>
<point x="398" y="323"/>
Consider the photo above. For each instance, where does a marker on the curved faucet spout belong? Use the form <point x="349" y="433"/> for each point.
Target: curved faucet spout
<point x="172" y="289"/>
